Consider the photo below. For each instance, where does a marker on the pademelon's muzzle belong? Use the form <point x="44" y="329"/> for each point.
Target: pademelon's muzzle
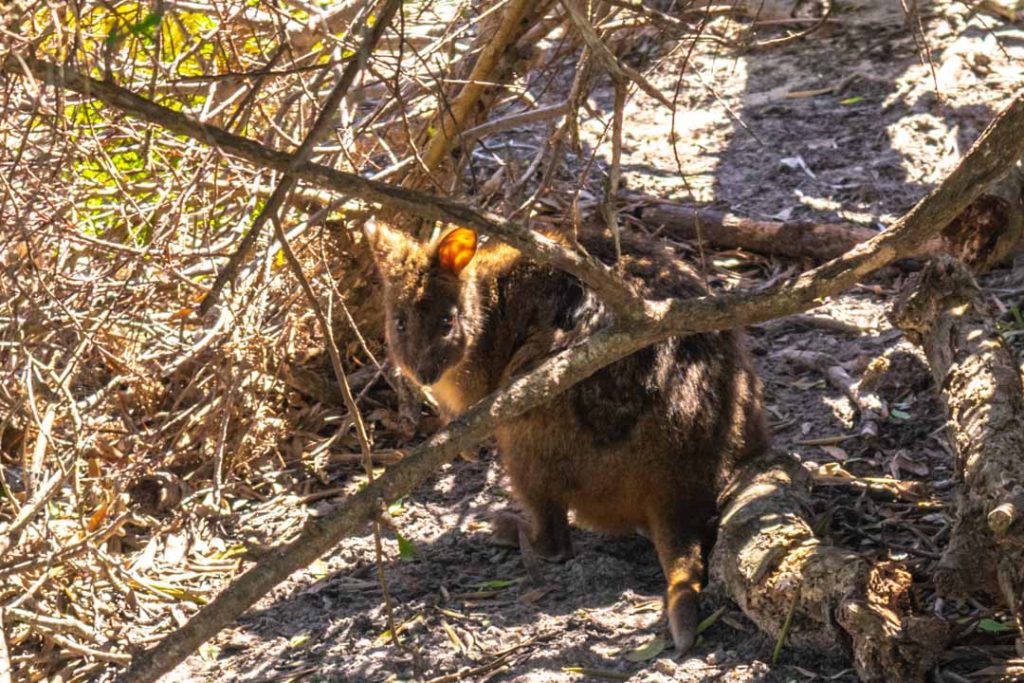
<point x="428" y="372"/>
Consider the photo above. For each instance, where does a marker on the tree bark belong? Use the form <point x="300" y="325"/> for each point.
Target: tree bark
<point x="813" y="595"/>
<point x="991" y="229"/>
<point x="795" y="239"/>
<point x="943" y="311"/>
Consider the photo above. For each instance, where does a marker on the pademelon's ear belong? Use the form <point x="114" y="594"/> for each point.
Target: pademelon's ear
<point x="456" y="250"/>
<point x="385" y="242"/>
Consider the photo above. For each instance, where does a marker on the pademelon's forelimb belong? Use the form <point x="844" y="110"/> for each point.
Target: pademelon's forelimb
<point x="547" y="530"/>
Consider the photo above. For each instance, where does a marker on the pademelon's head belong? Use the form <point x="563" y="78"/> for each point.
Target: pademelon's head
<point x="429" y="298"/>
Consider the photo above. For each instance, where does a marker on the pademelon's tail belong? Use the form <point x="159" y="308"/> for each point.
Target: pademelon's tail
<point x="679" y="551"/>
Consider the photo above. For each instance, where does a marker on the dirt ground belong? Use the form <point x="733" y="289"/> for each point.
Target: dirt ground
<point x="852" y="124"/>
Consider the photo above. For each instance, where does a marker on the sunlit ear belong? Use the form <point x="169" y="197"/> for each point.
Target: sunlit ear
<point x="456" y="250"/>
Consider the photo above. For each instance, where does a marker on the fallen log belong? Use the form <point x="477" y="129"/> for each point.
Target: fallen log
<point x="794" y="239"/>
<point x="943" y="311"/>
<point x="985" y="234"/>
<point x="813" y="595"/>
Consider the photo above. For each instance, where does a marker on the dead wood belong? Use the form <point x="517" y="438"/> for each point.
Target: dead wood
<point x="944" y="311"/>
<point x="5" y="658"/>
<point x="816" y="596"/>
<point x="320" y="127"/>
<point x="869" y="405"/>
<point x="795" y="239"/>
<point x="986" y="233"/>
<point x="991" y="229"/>
<point x="501" y="55"/>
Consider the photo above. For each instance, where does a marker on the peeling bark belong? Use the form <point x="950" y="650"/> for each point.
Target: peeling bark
<point x="944" y="312"/>
<point x="769" y="560"/>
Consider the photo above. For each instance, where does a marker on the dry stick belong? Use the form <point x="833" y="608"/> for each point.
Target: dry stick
<point x="454" y="116"/>
<point x="777" y="42"/>
<point x="623" y="299"/>
<point x="26" y="513"/>
<point x="320" y="128"/>
<point x="616" y="69"/>
<point x="5" y="658"/>
<point x="999" y="146"/>
<point x="511" y="121"/>
<point x="870" y="407"/>
<point x="608" y="207"/>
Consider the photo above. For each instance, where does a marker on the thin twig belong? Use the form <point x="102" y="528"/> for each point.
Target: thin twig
<point x="616" y="69"/>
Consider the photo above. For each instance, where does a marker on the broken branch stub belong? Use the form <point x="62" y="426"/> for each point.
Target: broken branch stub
<point x="834" y="600"/>
<point x="943" y="311"/>
<point x="991" y="229"/>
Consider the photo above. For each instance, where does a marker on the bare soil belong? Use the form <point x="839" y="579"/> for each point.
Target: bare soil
<point x="851" y="124"/>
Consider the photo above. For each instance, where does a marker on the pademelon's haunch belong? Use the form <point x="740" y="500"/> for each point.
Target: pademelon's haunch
<point x="645" y="444"/>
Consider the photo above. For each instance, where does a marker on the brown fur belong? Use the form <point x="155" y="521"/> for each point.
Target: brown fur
<point x="645" y="444"/>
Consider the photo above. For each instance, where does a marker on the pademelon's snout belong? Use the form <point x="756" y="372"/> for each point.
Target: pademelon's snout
<point x="428" y="371"/>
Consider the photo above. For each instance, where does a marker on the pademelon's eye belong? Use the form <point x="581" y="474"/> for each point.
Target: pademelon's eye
<point x="447" y="322"/>
<point x="400" y="325"/>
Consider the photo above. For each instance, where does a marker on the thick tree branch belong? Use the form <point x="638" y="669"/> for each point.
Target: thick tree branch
<point x="943" y="311"/>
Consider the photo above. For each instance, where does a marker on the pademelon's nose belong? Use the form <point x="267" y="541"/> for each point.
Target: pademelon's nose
<point x="428" y="371"/>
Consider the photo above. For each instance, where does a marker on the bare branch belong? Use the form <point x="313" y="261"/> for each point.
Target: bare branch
<point x="619" y="72"/>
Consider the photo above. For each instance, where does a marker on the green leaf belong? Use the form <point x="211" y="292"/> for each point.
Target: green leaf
<point x="710" y="620"/>
<point x="496" y="583"/>
<point x="406" y="550"/>
<point x="1018" y="318"/>
<point x="148" y="23"/>
<point x="397" y="508"/>
<point x="856" y="99"/>
<point x="993" y="626"/>
<point x="899" y="414"/>
<point x="209" y="651"/>
<point x="649" y="651"/>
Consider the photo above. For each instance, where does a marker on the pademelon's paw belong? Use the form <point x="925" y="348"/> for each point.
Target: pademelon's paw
<point x="511" y="530"/>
